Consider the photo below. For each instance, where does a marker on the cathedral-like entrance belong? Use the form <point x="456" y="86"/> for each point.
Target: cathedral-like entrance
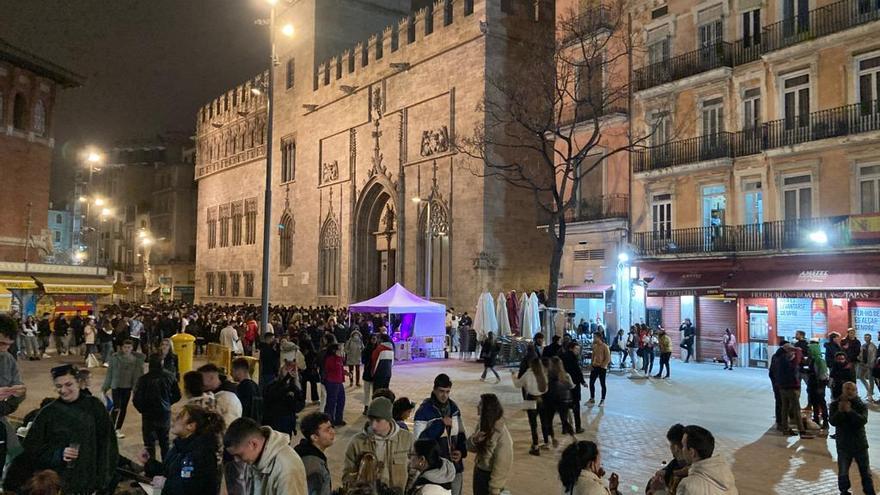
<point x="375" y="268"/>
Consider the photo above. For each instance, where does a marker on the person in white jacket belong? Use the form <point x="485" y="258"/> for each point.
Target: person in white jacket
<point x="533" y="381"/>
<point x="581" y="473"/>
<point x="707" y="475"/>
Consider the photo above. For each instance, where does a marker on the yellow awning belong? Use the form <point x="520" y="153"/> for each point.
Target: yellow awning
<point x="64" y="285"/>
<point x="17" y="282"/>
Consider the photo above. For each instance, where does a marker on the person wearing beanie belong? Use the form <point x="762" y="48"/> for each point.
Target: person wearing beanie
<point x="438" y="418"/>
<point x="384" y="439"/>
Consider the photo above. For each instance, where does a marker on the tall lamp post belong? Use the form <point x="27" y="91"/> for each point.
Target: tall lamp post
<point x="267" y="207"/>
<point x="428" y="243"/>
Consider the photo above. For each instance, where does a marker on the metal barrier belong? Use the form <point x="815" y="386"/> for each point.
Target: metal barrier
<point x="219" y="355"/>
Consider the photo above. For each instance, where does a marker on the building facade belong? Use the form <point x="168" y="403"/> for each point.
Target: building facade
<point x="755" y="205"/>
<point x="28" y="90"/>
<point x="143" y="225"/>
<point x="60" y="223"/>
<point x="369" y="97"/>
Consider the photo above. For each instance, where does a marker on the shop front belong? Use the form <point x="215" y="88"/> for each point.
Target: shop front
<point x="72" y="295"/>
<point x="590" y="303"/>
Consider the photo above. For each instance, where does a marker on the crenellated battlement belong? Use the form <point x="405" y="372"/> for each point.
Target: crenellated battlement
<point x="399" y="42"/>
<point x="236" y="103"/>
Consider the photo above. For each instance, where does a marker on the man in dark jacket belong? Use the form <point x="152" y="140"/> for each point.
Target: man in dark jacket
<point x="851" y="346"/>
<point x="688" y="332"/>
<point x="789" y="381"/>
<point x="842" y="371"/>
<point x="154" y="394"/>
<point x="849" y="414"/>
<point x="553" y="348"/>
<point x="775" y="363"/>
<point x="439" y="419"/>
<point x="61" y="329"/>
<point x="248" y="391"/>
<point x="318" y="436"/>
<point x="571" y="361"/>
<point x="44" y="331"/>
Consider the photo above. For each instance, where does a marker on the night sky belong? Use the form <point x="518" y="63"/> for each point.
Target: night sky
<point x="148" y="64"/>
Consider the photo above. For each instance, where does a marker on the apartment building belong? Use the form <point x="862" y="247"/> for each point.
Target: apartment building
<point x="755" y="202"/>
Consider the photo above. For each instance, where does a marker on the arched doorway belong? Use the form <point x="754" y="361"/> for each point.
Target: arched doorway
<point x="375" y="237"/>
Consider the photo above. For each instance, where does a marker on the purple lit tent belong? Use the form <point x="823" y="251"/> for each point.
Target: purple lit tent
<point x="420" y="319"/>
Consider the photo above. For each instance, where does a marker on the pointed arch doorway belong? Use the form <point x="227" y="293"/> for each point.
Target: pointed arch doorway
<point x="376" y="241"/>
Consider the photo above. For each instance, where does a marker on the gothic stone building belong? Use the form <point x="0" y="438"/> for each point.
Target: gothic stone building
<point x="360" y="130"/>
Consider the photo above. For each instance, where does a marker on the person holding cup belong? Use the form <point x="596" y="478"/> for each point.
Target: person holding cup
<point x="74" y="437"/>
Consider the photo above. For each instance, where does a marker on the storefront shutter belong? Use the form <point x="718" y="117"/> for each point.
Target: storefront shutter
<point x="671" y="322"/>
<point x="713" y="316"/>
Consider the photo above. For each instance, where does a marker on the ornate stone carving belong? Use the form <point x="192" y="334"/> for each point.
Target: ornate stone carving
<point x="377" y="105"/>
<point x="435" y="141"/>
<point x="329" y="172"/>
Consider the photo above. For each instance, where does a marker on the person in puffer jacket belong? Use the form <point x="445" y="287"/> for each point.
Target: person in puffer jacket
<point x="708" y="475"/>
<point x="438" y="419"/>
<point x="381" y="362"/>
<point x="435" y="473"/>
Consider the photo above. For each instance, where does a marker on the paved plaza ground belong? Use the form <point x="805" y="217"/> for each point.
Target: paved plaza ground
<point x="737" y="406"/>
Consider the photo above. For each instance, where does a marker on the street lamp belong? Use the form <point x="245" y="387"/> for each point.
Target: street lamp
<point x="819" y="237"/>
<point x="267" y="208"/>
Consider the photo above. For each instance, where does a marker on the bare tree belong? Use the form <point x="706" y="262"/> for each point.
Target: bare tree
<point x="545" y="125"/>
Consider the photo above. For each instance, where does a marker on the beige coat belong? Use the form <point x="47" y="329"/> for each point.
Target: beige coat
<point x="588" y="484"/>
<point x="392" y="451"/>
<point x="601" y="354"/>
<point x="280" y="471"/>
<point x="498" y="458"/>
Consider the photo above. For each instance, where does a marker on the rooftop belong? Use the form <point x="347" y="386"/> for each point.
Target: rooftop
<point x="38" y="65"/>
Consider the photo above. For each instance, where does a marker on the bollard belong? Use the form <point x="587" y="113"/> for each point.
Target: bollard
<point x="184" y="347"/>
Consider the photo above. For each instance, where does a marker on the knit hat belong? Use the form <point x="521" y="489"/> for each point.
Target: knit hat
<point x="442" y="381"/>
<point x="288" y="351"/>
<point x="380" y="408"/>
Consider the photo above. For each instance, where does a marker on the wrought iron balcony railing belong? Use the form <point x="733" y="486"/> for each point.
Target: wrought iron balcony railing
<point x="818" y="22"/>
<point x="685" y="65"/>
<point x="833" y="122"/>
<point x="779" y="235"/>
<point x="606" y="207"/>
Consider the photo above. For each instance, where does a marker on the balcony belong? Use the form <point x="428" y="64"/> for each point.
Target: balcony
<point x="833" y="122"/>
<point x="683" y="152"/>
<point x="685" y="65"/>
<point x="590" y="22"/>
<point x="818" y="22"/>
<point x="844" y="231"/>
<point x="607" y="207"/>
<point x="585" y="112"/>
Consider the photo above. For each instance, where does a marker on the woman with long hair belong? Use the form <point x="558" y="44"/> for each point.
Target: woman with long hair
<point x="580" y="470"/>
<point x="191" y="465"/>
<point x="533" y="381"/>
<point x="730" y="355"/>
<point x="435" y="473"/>
<point x="354" y="346"/>
<point x="493" y="445"/>
<point x="557" y="399"/>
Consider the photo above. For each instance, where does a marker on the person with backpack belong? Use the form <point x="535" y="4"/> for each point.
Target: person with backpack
<point x="247" y="390"/>
<point x="154" y="393"/>
<point x="817" y="383"/>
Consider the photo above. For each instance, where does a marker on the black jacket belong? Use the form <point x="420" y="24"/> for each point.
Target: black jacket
<point x="551" y="350"/>
<point x="61" y="327"/>
<point x="190" y="467"/>
<point x="154" y="394"/>
<point x="850" y="425"/>
<point x="169" y="363"/>
<point x="251" y="399"/>
<point x="573" y="367"/>
<point x="282" y="398"/>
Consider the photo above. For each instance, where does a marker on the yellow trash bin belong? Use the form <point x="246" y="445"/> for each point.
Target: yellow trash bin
<point x="184" y="347"/>
<point x="254" y="365"/>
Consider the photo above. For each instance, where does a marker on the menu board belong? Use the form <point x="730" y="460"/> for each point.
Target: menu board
<point x="793" y="314"/>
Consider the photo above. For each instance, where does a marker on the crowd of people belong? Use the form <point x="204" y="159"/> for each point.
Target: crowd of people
<point x="223" y="429"/>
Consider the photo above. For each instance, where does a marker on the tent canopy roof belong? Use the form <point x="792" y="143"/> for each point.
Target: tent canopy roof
<point x="397" y="300"/>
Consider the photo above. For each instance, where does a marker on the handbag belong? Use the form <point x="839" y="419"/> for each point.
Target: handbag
<point x="92" y="361"/>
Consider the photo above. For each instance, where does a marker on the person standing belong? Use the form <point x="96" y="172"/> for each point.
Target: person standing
<point x="533" y="382"/>
<point x="649" y="343"/>
<point x="489" y="351"/>
<point x="632" y="347"/>
<point x="29" y="331"/>
<point x="169" y="359"/>
<point x="438" y="418"/>
<point x="12" y="390"/>
<point x="318" y="436"/>
<point x="247" y="390"/>
<point x="728" y="343"/>
<point x="334" y="381"/>
<point x="89" y="336"/>
<point x="599" y="368"/>
<point x="283" y="397"/>
<point x="135" y="331"/>
<point x="270" y="358"/>
<point x="105" y="338"/>
<point x="849" y="414"/>
<point x="789" y="382"/>
<point x="354" y="346"/>
<point x="580" y="470"/>
<point x="154" y="394"/>
<point x="708" y="474"/>
<point x="665" y="344"/>
<point x="273" y="467"/>
<point x="867" y="358"/>
<point x="817" y="383"/>
<point x="73" y="436"/>
<point x="493" y="445"/>
<point x="841" y="372"/>
<point x="619" y="346"/>
<point x="191" y="465"/>
<point x="44" y="331"/>
<point x="851" y="346"/>
<point x="773" y="373"/>
<point x="382" y="361"/>
<point x="122" y="375"/>
<point x="229" y="338"/>
<point x="832" y="347"/>
<point x="61" y="329"/>
<point x="386" y="441"/>
<point x="688" y="334"/>
<point x="571" y="360"/>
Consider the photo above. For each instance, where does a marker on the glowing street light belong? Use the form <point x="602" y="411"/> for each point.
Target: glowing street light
<point x="288" y="30"/>
<point x="819" y="237"/>
<point x="106" y="212"/>
<point x="623" y="257"/>
<point x="99" y="202"/>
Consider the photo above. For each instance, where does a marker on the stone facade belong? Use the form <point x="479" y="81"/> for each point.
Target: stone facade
<point x="28" y="86"/>
<point x="360" y="134"/>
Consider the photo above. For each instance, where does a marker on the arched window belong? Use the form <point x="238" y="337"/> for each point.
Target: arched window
<point x="285" y="232"/>
<point x="440" y="254"/>
<point x="329" y="258"/>
<point x="19" y="112"/>
<point x="39" y="118"/>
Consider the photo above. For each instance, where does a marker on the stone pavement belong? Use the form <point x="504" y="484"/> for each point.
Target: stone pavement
<point x="737" y="406"/>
